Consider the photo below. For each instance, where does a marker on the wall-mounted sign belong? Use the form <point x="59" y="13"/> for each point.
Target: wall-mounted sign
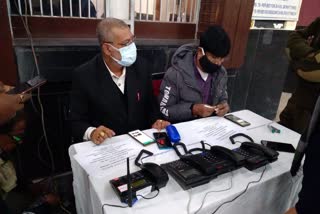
<point x="276" y="10"/>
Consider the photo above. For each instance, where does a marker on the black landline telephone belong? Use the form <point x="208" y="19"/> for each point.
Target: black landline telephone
<point x="196" y="169"/>
<point x="150" y="177"/>
<point x="217" y="159"/>
<point x="186" y="175"/>
<point x="256" y="155"/>
<point x="155" y="172"/>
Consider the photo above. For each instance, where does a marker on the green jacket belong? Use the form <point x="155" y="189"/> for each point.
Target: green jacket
<point x="304" y="55"/>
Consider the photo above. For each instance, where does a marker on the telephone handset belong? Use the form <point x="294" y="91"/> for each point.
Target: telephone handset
<point x="236" y="158"/>
<point x="155" y="173"/>
<point x="217" y="160"/>
<point x="256" y="154"/>
<point x="223" y="153"/>
<point x="199" y="161"/>
<point x="271" y="154"/>
<point x="232" y="137"/>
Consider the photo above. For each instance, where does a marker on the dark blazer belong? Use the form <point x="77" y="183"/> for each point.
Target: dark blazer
<point x="310" y="184"/>
<point x="96" y="100"/>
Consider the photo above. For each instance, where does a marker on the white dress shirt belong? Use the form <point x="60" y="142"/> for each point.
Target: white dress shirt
<point x="203" y="75"/>
<point x="120" y="82"/>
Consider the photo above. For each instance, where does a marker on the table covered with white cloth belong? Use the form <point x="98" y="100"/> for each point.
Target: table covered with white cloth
<point x="272" y="190"/>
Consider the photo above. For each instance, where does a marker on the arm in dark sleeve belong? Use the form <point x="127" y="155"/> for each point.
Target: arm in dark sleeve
<point x="153" y="113"/>
<point x="310" y="184"/>
<point x="297" y="41"/>
<point x="223" y="87"/>
<point x="170" y="106"/>
<point x="79" y="107"/>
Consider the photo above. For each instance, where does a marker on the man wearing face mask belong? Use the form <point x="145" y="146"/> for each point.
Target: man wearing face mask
<point x="196" y="83"/>
<point x="112" y="93"/>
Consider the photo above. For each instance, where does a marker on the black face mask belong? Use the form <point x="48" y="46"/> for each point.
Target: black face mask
<point x="208" y="66"/>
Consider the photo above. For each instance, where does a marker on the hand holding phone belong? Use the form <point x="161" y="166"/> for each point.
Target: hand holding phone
<point x="4" y="88"/>
<point x="221" y="109"/>
<point x="202" y="110"/>
<point x="28" y="86"/>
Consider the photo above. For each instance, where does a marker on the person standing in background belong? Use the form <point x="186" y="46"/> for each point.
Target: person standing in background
<point x="304" y="53"/>
<point x="9" y="106"/>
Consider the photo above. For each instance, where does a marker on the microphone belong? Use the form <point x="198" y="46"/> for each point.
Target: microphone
<point x="129" y="184"/>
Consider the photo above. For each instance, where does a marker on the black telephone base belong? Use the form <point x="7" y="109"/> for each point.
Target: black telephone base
<point x="138" y="182"/>
<point x="186" y="175"/>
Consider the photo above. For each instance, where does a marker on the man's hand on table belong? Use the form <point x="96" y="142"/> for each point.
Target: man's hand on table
<point x="160" y="124"/>
<point x="100" y="134"/>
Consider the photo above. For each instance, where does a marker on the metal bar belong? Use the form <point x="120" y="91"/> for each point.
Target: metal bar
<point x="9" y="16"/>
<point x="197" y="17"/>
<point x="30" y="5"/>
<point x="80" y="15"/>
<point x="160" y="10"/>
<point x="147" y="11"/>
<point x="109" y="8"/>
<point x="97" y="8"/>
<point x="186" y="9"/>
<point x="154" y="9"/>
<point x="174" y="10"/>
<point x="140" y="10"/>
<point x="167" y="13"/>
<point x="70" y="5"/>
<point x="191" y="10"/>
<point x="61" y="9"/>
<point x="105" y="8"/>
<point x="89" y="15"/>
<point x="41" y="8"/>
<point x="51" y="9"/>
<point x="179" y="12"/>
<point x="197" y="11"/>
<point x="19" y="5"/>
<point x="132" y="9"/>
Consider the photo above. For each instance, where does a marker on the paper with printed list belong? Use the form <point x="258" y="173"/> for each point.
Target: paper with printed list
<point x="213" y="130"/>
<point x="104" y="159"/>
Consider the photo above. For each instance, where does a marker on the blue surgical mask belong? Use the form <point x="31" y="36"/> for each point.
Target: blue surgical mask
<point x="128" y="55"/>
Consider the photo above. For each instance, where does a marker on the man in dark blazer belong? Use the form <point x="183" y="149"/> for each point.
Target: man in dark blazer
<point x="112" y="93"/>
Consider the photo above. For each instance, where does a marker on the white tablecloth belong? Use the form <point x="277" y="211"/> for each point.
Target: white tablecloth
<point x="276" y="192"/>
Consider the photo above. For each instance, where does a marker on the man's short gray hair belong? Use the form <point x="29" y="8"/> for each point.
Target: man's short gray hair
<point x="105" y="27"/>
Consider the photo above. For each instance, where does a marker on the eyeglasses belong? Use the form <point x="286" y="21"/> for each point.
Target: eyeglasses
<point x="125" y="43"/>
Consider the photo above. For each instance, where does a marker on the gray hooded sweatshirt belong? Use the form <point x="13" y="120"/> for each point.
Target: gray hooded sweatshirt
<point x="179" y="88"/>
